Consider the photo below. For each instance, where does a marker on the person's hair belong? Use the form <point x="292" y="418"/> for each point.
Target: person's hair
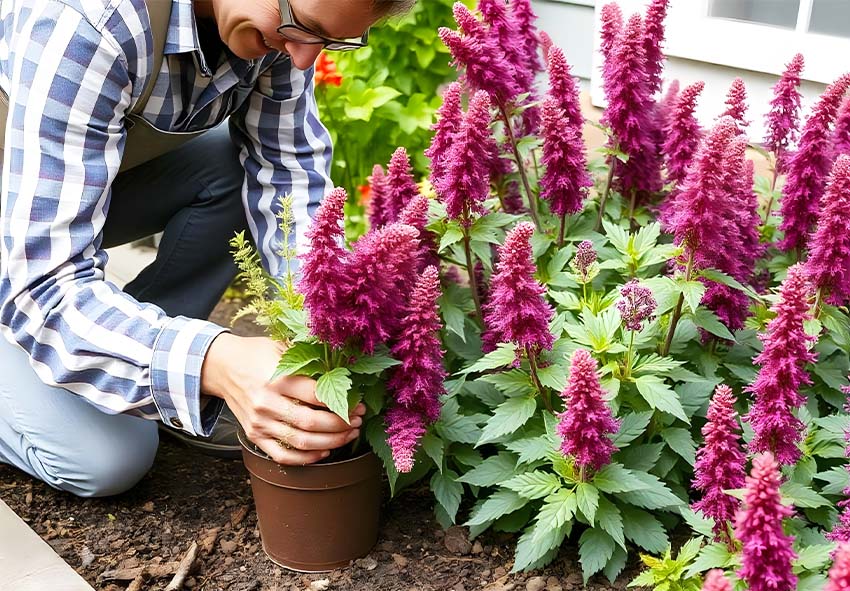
<point x="392" y="7"/>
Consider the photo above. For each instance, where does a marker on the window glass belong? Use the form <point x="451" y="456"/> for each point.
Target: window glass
<point x="779" y="13"/>
<point x="831" y="17"/>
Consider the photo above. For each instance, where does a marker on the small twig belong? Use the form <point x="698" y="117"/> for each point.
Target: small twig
<point x="136" y="584"/>
<point x="128" y="574"/>
<point x="183" y="570"/>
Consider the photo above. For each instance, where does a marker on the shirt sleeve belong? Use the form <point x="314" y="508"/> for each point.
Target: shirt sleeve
<point x="285" y="150"/>
<point x="69" y="87"/>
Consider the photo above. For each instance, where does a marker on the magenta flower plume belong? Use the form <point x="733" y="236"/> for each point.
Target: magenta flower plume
<point x="563" y="88"/>
<point x="405" y="429"/>
<point x="611" y="27"/>
<point x="767" y="552"/>
<point x="401" y="187"/>
<point x="381" y="270"/>
<point x="525" y="21"/>
<point x="828" y="265"/>
<point x="839" y="574"/>
<point x="449" y="120"/>
<point x="565" y="182"/>
<point x="636" y="305"/>
<point x="630" y="112"/>
<point x="467" y="180"/>
<point x="776" y="389"/>
<point x="668" y="101"/>
<point x="586" y="423"/>
<point x="378" y="202"/>
<point x="585" y="256"/>
<point x="809" y="167"/>
<point x="736" y="103"/>
<point x="504" y="28"/>
<point x="715" y="580"/>
<point x="545" y="45"/>
<point x="416" y="214"/>
<point x="842" y="129"/>
<point x="653" y="42"/>
<point x="720" y="463"/>
<point x="683" y="134"/>
<point x="516" y="311"/>
<point x="478" y="53"/>
<point x="783" y="119"/>
<point x="323" y="276"/>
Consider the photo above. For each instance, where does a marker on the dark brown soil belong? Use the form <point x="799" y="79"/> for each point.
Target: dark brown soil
<point x="191" y="497"/>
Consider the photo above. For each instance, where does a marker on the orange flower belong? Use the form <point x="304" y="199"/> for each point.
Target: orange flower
<point x="326" y="72"/>
<point x="365" y="192"/>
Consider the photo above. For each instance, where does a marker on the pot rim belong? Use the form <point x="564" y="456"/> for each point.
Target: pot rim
<point x="250" y="447"/>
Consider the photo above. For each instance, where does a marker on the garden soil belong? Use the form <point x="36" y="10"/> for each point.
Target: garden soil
<point x="188" y="497"/>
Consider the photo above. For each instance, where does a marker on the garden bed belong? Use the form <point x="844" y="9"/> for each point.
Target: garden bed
<point x="191" y="497"/>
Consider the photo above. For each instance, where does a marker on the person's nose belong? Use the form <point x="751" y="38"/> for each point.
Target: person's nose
<point x="303" y="55"/>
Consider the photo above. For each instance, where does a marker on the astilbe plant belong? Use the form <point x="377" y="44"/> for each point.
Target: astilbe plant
<point x="611" y="19"/>
<point x="783" y="119"/>
<point x="401" y="186"/>
<point x="839" y="574"/>
<point x="720" y="463"/>
<point x="736" y="103"/>
<point x="449" y="120"/>
<point x="767" y="551"/>
<point x="653" y="42"/>
<point x="828" y="265"/>
<point x="776" y="389"/>
<point x="841" y="139"/>
<point x="809" y="167"/>
<point x="586" y="424"/>
<point x="636" y="305"/>
<point x="668" y="101"/>
<point x="379" y="194"/>
<point x="683" y="134"/>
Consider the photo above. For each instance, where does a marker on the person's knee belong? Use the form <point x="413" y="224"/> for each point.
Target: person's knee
<point x="107" y="465"/>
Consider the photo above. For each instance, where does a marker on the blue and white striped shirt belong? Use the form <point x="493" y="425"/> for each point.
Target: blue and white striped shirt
<point x="73" y="69"/>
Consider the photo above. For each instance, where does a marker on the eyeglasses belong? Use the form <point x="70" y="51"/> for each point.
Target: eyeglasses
<point x="292" y="30"/>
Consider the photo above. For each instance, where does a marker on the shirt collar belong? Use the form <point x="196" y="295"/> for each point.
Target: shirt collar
<point x="183" y="32"/>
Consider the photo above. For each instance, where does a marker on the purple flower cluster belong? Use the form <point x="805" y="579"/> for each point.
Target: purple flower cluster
<point x="653" y="41"/>
<point x="636" y="305"/>
<point x="449" y="120"/>
<point x="565" y="182"/>
<point x="417" y="383"/>
<point x="585" y="256"/>
<point x="842" y="129"/>
<point x="378" y="208"/>
<point x="736" y="103"/>
<point x="828" y="265"/>
<point x="516" y="311"/>
<point x="715" y="580"/>
<point x="839" y="574"/>
<point x="783" y="119"/>
<point x="683" y="133"/>
<point x="776" y="389"/>
<point x="766" y="553"/>
<point x="586" y="423"/>
<point x="720" y="463"/>
<point x="809" y="167"/>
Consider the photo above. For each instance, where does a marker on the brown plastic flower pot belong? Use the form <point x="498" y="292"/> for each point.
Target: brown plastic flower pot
<point x="318" y="517"/>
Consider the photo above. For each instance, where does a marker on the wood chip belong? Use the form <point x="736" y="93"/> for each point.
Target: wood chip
<point x="128" y="574"/>
<point x="148" y="507"/>
<point x="238" y="516"/>
<point x="183" y="570"/>
<point x="209" y="540"/>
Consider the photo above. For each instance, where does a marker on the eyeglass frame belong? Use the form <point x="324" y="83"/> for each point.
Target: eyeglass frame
<point x="288" y="21"/>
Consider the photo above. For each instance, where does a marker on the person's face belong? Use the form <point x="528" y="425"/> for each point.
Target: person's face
<point x="249" y="27"/>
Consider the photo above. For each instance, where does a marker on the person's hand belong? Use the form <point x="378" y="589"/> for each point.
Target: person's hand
<point x="282" y="417"/>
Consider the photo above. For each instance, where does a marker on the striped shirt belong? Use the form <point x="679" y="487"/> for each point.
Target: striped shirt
<point x="72" y="69"/>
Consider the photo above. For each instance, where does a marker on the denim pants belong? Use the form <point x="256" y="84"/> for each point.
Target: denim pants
<point x="193" y="195"/>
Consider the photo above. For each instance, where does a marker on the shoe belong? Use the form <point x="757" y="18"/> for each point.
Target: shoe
<point x="222" y="442"/>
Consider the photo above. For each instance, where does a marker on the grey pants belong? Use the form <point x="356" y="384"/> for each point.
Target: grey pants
<point x="192" y="195"/>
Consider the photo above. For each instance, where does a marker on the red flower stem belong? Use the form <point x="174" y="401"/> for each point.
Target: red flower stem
<point x="535" y="379"/>
<point x="632" y="201"/>
<point x="532" y="204"/>
<point x="562" y="230"/>
<point x="677" y="314"/>
<point x="605" y="192"/>
<point x="470" y="271"/>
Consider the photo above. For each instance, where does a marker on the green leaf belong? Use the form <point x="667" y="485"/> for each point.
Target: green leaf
<point x="534" y="485"/>
<point x="693" y="292"/>
<point x="434" y="448"/>
<point x="553" y="376"/>
<point x="587" y="496"/>
<point x="373" y="364"/>
<point x="558" y="508"/>
<point x="813" y="557"/>
<point x="614" y="478"/>
<point x="531" y="449"/>
<point x="493" y="470"/>
<point x="718" y="277"/>
<point x="707" y="320"/>
<point x="610" y="519"/>
<point x="538" y="545"/>
<point x="595" y="548"/>
<point x="508" y="417"/>
<point x="654" y="495"/>
<point x="617" y="236"/>
<point x="660" y="396"/>
<point x="713" y="555"/>
<point x="503" y="355"/>
<point x="499" y="503"/>
<point x="615" y="565"/>
<point x="632" y="426"/>
<point x="332" y="391"/>
<point x="515" y="382"/>
<point x="681" y="442"/>
<point x="802" y="496"/>
<point x="456" y="427"/>
<point x="376" y="435"/>
<point x="297" y="357"/>
<point x="704" y="526"/>
<point x="448" y="491"/>
<point x="644" y="530"/>
<point x="454" y="317"/>
<point x="838" y="480"/>
<point x="452" y="235"/>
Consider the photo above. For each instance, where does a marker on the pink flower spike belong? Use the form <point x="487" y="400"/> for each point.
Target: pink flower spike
<point x="405" y="429"/>
<point x="776" y="389"/>
<point x="783" y="119"/>
<point x="401" y="187"/>
<point x="586" y="423"/>
<point x="720" y="463"/>
<point x="379" y="214"/>
<point x="636" y="305"/>
<point x="611" y="28"/>
<point x="653" y="43"/>
<point x="565" y="181"/>
<point x="516" y="311"/>
<point x="683" y="133"/>
<point x="668" y="103"/>
<point x="449" y="120"/>
<point x="736" y="103"/>
<point x="839" y="574"/>
<point x="545" y="45"/>
<point x="767" y="553"/>
<point x="828" y="265"/>
<point x="563" y="89"/>
<point x="715" y="580"/>
<point x="842" y="129"/>
<point x="584" y="258"/>
<point x="525" y="21"/>
<point x="809" y="167"/>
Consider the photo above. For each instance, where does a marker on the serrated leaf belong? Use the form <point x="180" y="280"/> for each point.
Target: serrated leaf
<point x="504" y="355"/>
<point x="434" y="448"/>
<point x="681" y="442"/>
<point x="553" y="376"/>
<point x="614" y="478"/>
<point x="813" y="557"/>
<point x="376" y="435"/>
<point x="587" y="496"/>
<point x="713" y="555"/>
<point x="802" y="496"/>
<point x="704" y="526"/>
<point x="708" y="320"/>
<point x="373" y="364"/>
<point x="838" y="479"/>
<point x="332" y="391"/>
<point x="533" y="550"/>
<point x="644" y="530"/>
<point x="558" y="509"/>
<point x="448" y="491"/>
<point x="632" y="426"/>
<point x="531" y="449"/>
<point x="499" y="503"/>
<point x="595" y="548"/>
<point x="610" y="519"/>
<point x="654" y="495"/>
<point x="493" y="470"/>
<point x="297" y="357"/>
<point x="452" y="235"/>
<point x="454" y="318"/>
<point x="693" y="292"/>
<point x="509" y="416"/>
<point x="535" y="484"/>
<point x="615" y="565"/>
<point x="515" y="382"/>
<point x="660" y="396"/>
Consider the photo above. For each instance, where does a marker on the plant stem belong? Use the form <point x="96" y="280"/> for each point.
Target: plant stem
<point x="605" y="192"/>
<point x="628" y="368"/>
<point x="562" y="230"/>
<point x="544" y="394"/>
<point x="677" y="314"/>
<point x="770" y="201"/>
<point x="532" y="204"/>
<point x="470" y="271"/>
<point x="632" y="201"/>
<point x="584" y="293"/>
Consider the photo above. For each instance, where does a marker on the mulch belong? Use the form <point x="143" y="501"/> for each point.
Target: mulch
<point x="189" y="497"/>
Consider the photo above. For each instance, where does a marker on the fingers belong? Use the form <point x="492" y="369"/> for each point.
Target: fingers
<point x="297" y="439"/>
<point x="300" y="388"/>
<point x="290" y="456"/>
<point x="315" y="420"/>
